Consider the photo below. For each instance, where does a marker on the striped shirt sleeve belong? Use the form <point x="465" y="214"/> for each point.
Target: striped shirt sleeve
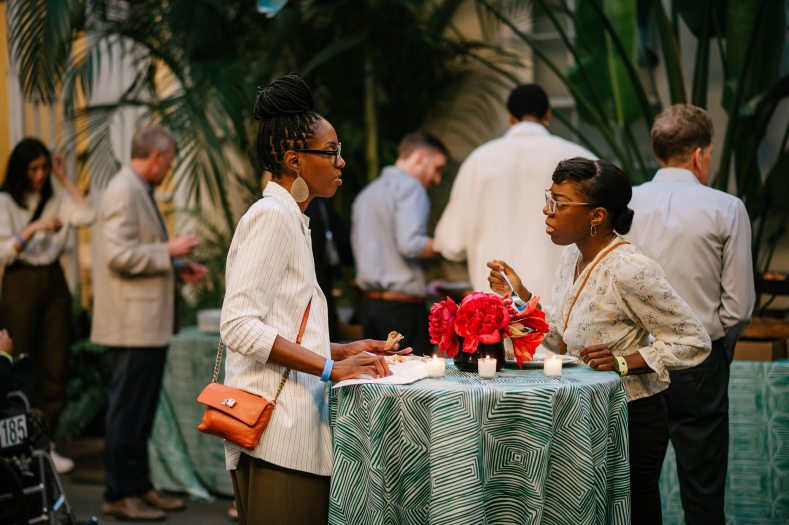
<point x="261" y="248"/>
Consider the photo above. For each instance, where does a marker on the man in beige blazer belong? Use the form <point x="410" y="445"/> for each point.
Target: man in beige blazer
<point x="134" y="279"/>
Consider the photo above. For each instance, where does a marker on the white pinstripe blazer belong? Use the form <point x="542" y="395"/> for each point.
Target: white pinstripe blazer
<point x="270" y="278"/>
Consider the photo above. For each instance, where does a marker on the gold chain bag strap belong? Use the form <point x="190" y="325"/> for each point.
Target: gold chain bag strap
<point x="234" y="414"/>
<point x="563" y="346"/>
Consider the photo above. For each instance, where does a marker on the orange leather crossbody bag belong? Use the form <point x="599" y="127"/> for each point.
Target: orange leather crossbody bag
<point x="234" y="414"/>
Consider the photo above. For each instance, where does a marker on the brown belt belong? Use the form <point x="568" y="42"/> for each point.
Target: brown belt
<point x="393" y="296"/>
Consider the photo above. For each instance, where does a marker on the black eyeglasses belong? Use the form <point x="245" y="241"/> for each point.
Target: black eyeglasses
<point x="336" y="153"/>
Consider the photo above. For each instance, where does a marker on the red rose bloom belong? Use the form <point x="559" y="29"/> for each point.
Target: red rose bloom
<point x="442" y="327"/>
<point x="481" y="318"/>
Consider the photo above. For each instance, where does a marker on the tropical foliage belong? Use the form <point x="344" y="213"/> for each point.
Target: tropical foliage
<point x="612" y="82"/>
<point x="379" y="70"/>
<point x="384" y="67"/>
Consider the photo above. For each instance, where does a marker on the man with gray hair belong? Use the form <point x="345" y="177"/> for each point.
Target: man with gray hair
<point x="702" y="239"/>
<point x="134" y="313"/>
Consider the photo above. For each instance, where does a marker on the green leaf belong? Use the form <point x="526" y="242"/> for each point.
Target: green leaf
<point x="755" y="36"/>
<point x="699" y="20"/>
<point x="671" y="55"/>
<point x="602" y="62"/>
<point x="777" y="184"/>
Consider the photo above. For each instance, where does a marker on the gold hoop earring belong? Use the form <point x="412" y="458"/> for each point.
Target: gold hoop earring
<point x="593" y="230"/>
<point x="299" y="190"/>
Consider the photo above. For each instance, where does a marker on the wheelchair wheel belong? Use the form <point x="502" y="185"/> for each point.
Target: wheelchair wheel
<point x="13" y="510"/>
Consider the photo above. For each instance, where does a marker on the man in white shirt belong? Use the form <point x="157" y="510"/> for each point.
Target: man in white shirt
<point x="495" y="208"/>
<point x="702" y="239"/>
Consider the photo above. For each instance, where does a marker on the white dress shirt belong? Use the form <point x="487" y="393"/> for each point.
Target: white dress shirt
<point x="702" y="239"/>
<point x="44" y="247"/>
<point x="625" y="300"/>
<point x="270" y="279"/>
<point x="495" y="207"/>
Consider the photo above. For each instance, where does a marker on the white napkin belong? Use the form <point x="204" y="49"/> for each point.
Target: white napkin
<point x="402" y="374"/>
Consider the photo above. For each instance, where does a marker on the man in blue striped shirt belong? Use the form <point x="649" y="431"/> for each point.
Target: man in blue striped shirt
<point x="389" y="238"/>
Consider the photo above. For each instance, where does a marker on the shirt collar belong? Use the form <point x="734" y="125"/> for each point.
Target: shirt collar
<point x="147" y="185"/>
<point x="675" y="175"/>
<point x="273" y="189"/>
<point x="394" y="171"/>
<point x="526" y="128"/>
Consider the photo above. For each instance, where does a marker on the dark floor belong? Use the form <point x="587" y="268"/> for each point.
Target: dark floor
<point x="84" y="488"/>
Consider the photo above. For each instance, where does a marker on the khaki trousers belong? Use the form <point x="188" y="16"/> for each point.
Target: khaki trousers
<point x="267" y="494"/>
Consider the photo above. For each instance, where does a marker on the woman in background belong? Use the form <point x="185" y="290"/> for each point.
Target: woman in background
<point x="39" y="205"/>
<point x="609" y="300"/>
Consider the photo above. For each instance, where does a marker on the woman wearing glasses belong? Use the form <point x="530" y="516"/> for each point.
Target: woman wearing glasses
<point x="609" y="300"/>
<point x="270" y="285"/>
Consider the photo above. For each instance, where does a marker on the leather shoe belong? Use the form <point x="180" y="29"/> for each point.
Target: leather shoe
<point x="131" y="509"/>
<point x="157" y="500"/>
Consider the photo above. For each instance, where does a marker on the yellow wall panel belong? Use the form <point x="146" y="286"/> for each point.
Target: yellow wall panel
<point x="5" y="117"/>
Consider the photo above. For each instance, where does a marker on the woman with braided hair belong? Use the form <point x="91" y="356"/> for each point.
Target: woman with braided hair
<point x="614" y="309"/>
<point x="270" y="284"/>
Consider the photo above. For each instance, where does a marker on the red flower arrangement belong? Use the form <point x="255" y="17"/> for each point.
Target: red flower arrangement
<point x="486" y="318"/>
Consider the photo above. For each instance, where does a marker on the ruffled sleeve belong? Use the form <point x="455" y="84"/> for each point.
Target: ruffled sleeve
<point x="680" y="340"/>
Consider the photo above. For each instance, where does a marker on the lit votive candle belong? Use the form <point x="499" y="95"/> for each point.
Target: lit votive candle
<point x="552" y="366"/>
<point x="437" y="366"/>
<point x="486" y="366"/>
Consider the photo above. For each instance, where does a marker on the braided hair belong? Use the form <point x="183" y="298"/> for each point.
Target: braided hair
<point x="601" y="183"/>
<point x="286" y="115"/>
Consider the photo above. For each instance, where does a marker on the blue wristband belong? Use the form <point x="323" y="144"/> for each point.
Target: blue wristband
<point x="327" y="368"/>
<point x="21" y="240"/>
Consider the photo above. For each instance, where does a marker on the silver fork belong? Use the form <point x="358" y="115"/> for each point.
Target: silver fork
<point x="517" y="302"/>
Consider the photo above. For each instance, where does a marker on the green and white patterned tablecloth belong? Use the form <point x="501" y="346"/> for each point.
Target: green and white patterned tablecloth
<point x="757" y="486"/>
<point x="183" y="459"/>
<point x="458" y="450"/>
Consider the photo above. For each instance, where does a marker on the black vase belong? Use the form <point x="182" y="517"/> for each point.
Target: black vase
<point x="468" y="362"/>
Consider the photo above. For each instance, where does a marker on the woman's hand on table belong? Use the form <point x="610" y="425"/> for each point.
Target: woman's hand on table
<point x="599" y="358"/>
<point x="372" y="346"/>
<point x="358" y="365"/>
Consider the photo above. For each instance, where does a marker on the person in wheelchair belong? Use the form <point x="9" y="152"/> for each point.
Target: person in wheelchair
<point x="24" y="450"/>
<point x="14" y="371"/>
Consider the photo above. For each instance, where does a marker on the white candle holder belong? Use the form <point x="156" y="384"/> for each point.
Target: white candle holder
<point x="437" y="366"/>
<point x="486" y="367"/>
<point x="552" y="366"/>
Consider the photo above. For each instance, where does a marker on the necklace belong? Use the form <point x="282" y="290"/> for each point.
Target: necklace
<point x="578" y="268"/>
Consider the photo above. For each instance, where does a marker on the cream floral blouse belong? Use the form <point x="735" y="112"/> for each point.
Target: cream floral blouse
<point x="625" y="301"/>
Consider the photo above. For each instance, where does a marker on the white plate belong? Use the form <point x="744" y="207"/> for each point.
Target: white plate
<point x="567" y="360"/>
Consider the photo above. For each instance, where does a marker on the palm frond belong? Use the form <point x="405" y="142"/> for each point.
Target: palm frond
<point x="40" y="32"/>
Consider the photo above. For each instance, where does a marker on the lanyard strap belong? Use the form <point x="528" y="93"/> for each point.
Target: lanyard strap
<point x="580" y="289"/>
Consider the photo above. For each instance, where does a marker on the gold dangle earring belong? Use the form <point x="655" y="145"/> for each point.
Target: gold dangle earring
<point x="593" y="230"/>
<point x="299" y="190"/>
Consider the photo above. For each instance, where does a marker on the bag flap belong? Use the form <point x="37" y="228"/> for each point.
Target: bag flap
<point x="235" y="403"/>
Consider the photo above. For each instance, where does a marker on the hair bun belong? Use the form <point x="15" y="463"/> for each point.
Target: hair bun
<point x="285" y="96"/>
<point x="623" y="221"/>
